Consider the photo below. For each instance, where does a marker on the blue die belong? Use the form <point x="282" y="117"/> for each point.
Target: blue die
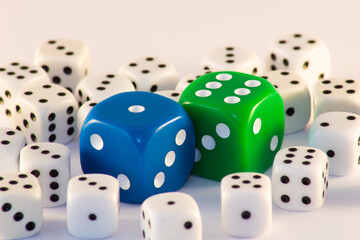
<point x="144" y="140"/>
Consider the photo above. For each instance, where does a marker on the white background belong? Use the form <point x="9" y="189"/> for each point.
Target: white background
<point x="182" y="32"/>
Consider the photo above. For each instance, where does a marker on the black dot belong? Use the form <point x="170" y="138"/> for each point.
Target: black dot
<point x="6" y="207"/>
<point x="22" y="175"/>
<point x="321" y="76"/>
<point x="229" y="48"/>
<point x="287" y="161"/>
<point x="190" y="81"/>
<point x="246" y="181"/>
<point x="257" y="186"/>
<point x="52" y="138"/>
<point x="285" y="198"/>
<point x="10" y="133"/>
<point x="45" y="67"/>
<point x="145" y="71"/>
<point x="45" y="152"/>
<point x="20" y="77"/>
<point x="306" y="162"/>
<point x="70" y="120"/>
<point x="170" y="202"/>
<point x="294" y="82"/>
<point x="8" y="113"/>
<point x="350" y="117"/>
<point x="13" y="182"/>
<point x="28" y="93"/>
<point x="100" y="88"/>
<point x="5" y="142"/>
<point x="2" y="69"/>
<point x="54" y="198"/>
<point x="18" y="216"/>
<point x="52" y="127"/>
<point x="92" y="104"/>
<point x="235" y="177"/>
<point x="67" y="70"/>
<point x="282" y="42"/>
<point x="43" y="100"/>
<point x="1" y="100"/>
<point x="349" y="81"/>
<point x="306" y="200"/>
<point x="149" y="59"/>
<point x="175" y="94"/>
<point x="350" y="91"/>
<point x="134" y="85"/>
<point x="161" y="65"/>
<point x="70" y="131"/>
<point x="33" y="71"/>
<point x="46" y="86"/>
<point x="235" y="186"/>
<point x="61" y="94"/>
<point x="26" y="123"/>
<point x="292" y="149"/>
<point x="230" y="61"/>
<point x="143" y="214"/>
<point x="56" y="156"/>
<point x="330" y="153"/>
<point x="30" y="226"/>
<point x="297" y="48"/>
<point x="309" y="157"/>
<point x="106" y="82"/>
<point x="311" y="41"/>
<point x="297" y="35"/>
<point x="188" y="225"/>
<point x="33" y="137"/>
<point x="143" y="233"/>
<point x="92" y="217"/>
<point x="286" y="62"/>
<point x="230" y="55"/>
<point x="153" y="88"/>
<point x="102" y="188"/>
<point x="60" y="47"/>
<point x="290" y="155"/>
<point x="245" y="215"/>
<point x="69" y="53"/>
<point x="306" y="65"/>
<point x="306" y="181"/>
<point x="4" y="189"/>
<point x="273" y="67"/>
<point x="70" y="110"/>
<point x="54" y="185"/>
<point x="311" y="150"/>
<point x="15" y="64"/>
<point x="51" y="117"/>
<point x="290" y="111"/>
<point x="11" y="73"/>
<point x="132" y="64"/>
<point x="33" y="117"/>
<point x="256" y="176"/>
<point x="324" y="124"/>
<point x="284" y="179"/>
<point x="7" y="94"/>
<point x="338" y="86"/>
<point x="36" y="173"/>
<point x="273" y="57"/>
<point x="54" y="173"/>
<point x="92" y="183"/>
<point x="254" y="71"/>
<point x="56" y="79"/>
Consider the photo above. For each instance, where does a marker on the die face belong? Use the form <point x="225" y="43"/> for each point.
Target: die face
<point x="150" y="74"/>
<point x="232" y="58"/>
<point x="65" y="60"/>
<point x="300" y="178"/>
<point x="331" y="132"/>
<point x="13" y="77"/>
<point x="46" y="113"/>
<point x="170" y="216"/>
<point x="158" y="137"/>
<point x="188" y="79"/>
<point x="305" y="54"/>
<point x="98" y="218"/>
<point x="246" y="204"/>
<point x="84" y="111"/>
<point x="336" y="94"/>
<point x="102" y="86"/>
<point x="21" y="209"/>
<point x="50" y="164"/>
<point x="296" y="97"/>
<point x="238" y="108"/>
<point x="171" y="94"/>
<point x="11" y="142"/>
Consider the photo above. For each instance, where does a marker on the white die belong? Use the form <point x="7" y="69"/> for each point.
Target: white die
<point x="307" y="55"/>
<point x="45" y="113"/>
<point x="189" y="78"/>
<point x="172" y="94"/>
<point x="66" y="61"/>
<point x="13" y="77"/>
<point x="172" y="215"/>
<point x="295" y="94"/>
<point x="84" y="111"/>
<point x="150" y="74"/>
<point x="11" y="143"/>
<point x="300" y="178"/>
<point x="336" y="94"/>
<point x="232" y="58"/>
<point x="20" y="202"/>
<point x="337" y="134"/>
<point x="246" y="204"/>
<point x="93" y="206"/>
<point x="102" y="86"/>
<point x="50" y="163"/>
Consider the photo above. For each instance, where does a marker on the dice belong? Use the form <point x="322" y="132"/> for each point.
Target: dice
<point x="13" y="77"/>
<point x="246" y="204"/>
<point x="93" y="206"/>
<point x="189" y="78"/>
<point x="300" y="178"/>
<point x="230" y="110"/>
<point x="172" y="94"/>
<point x="336" y="94"/>
<point x="338" y="134"/>
<point x="102" y="86"/>
<point x="45" y="113"/>
<point x="295" y="94"/>
<point x="173" y="215"/>
<point x="83" y="112"/>
<point x="232" y="58"/>
<point x="20" y="201"/>
<point x="11" y="143"/>
<point x="150" y="74"/>
<point x="50" y="164"/>
<point x="66" y="61"/>
<point x="307" y="55"/>
<point x="150" y="136"/>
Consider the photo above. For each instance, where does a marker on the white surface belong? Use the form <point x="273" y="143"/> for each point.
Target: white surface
<point x="182" y="32"/>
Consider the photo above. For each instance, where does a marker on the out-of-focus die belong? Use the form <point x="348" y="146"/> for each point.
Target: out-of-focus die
<point x="188" y="79"/>
<point x="152" y="138"/>
<point x="45" y="113"/>
<point x="172" y="94"/>
<point x="50" y="163"/>
<point x="338" y="134"/>
<point x="246" y="204"/>
<point x="93" y="206"/>
<point x="66" y="61"/>
<point x="150" y="74"/>
<point x="336" y="94"/>
<point x="300" y="177"/>
<point x="20" y="206"/>
<point x="172" y="215"/>
<point x="296" y="97"/>
<point x="307" y="55"/>
<point x="13" y="77"/>
<point x="84" y="111"/>
<point x="232" y="58"/>
<point x="102" y="86"/>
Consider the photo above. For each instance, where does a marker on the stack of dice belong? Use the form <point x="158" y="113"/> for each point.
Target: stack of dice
<point x="142" y="131"/>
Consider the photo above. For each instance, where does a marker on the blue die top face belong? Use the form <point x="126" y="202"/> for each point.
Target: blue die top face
<point x="145" y="140"/>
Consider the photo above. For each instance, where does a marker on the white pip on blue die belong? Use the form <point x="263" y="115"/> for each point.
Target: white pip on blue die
<point x="93" y="206"/>
<point x="232" y="58"/>
<point x="188" y="79"/>
<point x="50" y="164"/>
<point x="66" y="61"/>
<point x="101" y="86"/>
<point x="11" y="143"/>
<point x="150" y="74"/>
<point x="13" y="77"/>
<point x="302" y="53"/>
<point x="246" y="204"/>
<point x="336" y="94"/>
<point x="300" y="178"/>
<point x="338" y="134"/>
<point x="172" y="215"/>
<point x="84" y="111"/>
<point x="296" y="97"/>
<point x="21" y="212"/>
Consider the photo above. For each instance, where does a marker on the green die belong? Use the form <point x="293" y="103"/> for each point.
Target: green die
<point x="238" y="120"/>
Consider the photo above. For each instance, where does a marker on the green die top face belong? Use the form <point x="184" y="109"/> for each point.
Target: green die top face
<point x="238" y="120"/>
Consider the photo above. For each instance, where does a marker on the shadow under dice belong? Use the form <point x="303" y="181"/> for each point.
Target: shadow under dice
<point x="147" y="144"/>
<point x="238" y="120"/>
